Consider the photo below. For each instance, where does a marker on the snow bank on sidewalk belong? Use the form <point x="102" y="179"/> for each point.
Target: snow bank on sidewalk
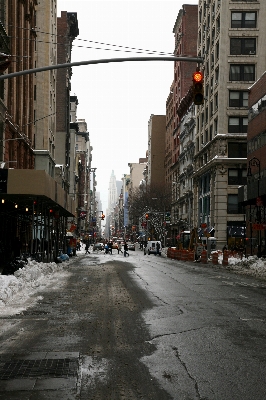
<point x="252" y="266"/>
<point x="27" y="278"/>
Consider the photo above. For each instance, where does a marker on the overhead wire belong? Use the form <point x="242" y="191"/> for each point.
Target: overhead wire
<point x="120" y="48"/>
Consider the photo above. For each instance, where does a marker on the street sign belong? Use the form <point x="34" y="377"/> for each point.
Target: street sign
<point x="199" y="249"/>
<point x="258" y="227"/>
<point x="259" y="202"/>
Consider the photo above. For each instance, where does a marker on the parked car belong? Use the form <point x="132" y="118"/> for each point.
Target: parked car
<point x="131" y="246"/>
<point x="98" y="246"/>
<point x="151" y="247"/>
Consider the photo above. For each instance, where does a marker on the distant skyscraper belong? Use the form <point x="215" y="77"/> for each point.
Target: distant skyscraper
<point x="112" y="195"/>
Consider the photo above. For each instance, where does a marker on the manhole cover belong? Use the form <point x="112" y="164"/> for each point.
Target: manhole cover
<point x="52" y="368"/>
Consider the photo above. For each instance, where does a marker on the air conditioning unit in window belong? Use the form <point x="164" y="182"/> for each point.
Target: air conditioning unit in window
<point x="252" y="53"/>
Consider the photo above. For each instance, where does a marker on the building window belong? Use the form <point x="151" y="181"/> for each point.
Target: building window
<point x="237" y="150"/>
<point x="244" y="46"/>
<point x="238" y="98"/>
<point x="250" y="1"/>
<point x="243" y="19"/>
<point x="237" y="176"/>
<point x="241" y="72"/>
<point x="232" y="204"/>
<point x="216" y="101"/>
<point x="2" y="90"/>
<point x="211" y="129"/>
<point x="237" y="124"/>
<point x="257" y="108"/>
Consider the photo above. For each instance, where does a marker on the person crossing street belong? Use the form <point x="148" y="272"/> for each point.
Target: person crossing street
<point x="126" y="249"/>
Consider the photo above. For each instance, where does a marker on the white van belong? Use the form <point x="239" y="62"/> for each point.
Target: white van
<point x="152" y="248"/>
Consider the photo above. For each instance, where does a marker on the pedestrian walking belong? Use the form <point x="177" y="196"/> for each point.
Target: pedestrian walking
<point x="110" y="245"/>
<point x="87" y="248"/>
<point x="125" y="249"/>
<point x="119" y="248"/>
<point x="157" y="248"/>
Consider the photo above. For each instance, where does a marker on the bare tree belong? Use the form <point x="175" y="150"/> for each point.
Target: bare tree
<point x="154" y="201"/>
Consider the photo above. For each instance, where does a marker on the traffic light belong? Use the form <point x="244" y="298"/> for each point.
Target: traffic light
<point x="198" y="89"/>
<point x="102" y="216"/>
<point x="147" y="216"/>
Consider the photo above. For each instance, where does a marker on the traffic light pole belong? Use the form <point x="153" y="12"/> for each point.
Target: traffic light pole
<point x="198" y="60"/>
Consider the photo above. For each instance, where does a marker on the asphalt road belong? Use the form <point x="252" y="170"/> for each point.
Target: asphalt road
<point x="141" y="327"/>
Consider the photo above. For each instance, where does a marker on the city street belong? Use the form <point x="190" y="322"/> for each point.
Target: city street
<point x="140" y="327"/>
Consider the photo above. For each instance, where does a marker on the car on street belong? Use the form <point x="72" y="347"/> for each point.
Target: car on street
<point x="131" y="246"/>
<point x="98" y="246"/>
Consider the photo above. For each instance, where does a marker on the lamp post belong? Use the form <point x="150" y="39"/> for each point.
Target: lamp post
<point x="255" y="162"/>
<point x="92" y="200"/>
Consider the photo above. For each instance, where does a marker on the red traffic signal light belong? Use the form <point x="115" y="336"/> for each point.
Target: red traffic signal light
<point x="147" y="216"/>
<point x="198" y="90"/>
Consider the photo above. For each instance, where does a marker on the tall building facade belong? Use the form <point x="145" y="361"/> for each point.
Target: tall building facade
<point x="181" y="122"/>
<point x="67" y="31"/>
<point x="112" y="191"/>
<point x="231" y="42"/>
<point x="4" y="49"/>
<point x="19" y="140"/>
<point x="156" y="150"/>
<point x="34" y="206"/>
<point x="253" y="196"/>
<point x="45" y="87"/>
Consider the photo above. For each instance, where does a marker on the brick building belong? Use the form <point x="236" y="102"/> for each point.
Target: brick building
<point x="231" y="41"/>
<point x="181" y="148"/>
<point x="156" y="150"/>
<point x="34" y="207"/>
<point x="253" y="196"/>
<point x="18" y="140"/>
<point x="45" y="87"/>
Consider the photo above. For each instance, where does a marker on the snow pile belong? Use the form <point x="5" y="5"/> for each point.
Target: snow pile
<point x="251" y="265"/>
<point x="9" y="285"/>
<point x="26" y="278"/>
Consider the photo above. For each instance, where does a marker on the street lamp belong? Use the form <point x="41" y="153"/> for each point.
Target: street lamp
<point x="255" y="162"/>
<point x="93" y="200"/>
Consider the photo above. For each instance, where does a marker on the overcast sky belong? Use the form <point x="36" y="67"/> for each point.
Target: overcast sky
<point x="117" y="100"/>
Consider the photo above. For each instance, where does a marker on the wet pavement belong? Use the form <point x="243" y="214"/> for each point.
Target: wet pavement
<point x="82" y="340"/>
<point x="144" y="327"/>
